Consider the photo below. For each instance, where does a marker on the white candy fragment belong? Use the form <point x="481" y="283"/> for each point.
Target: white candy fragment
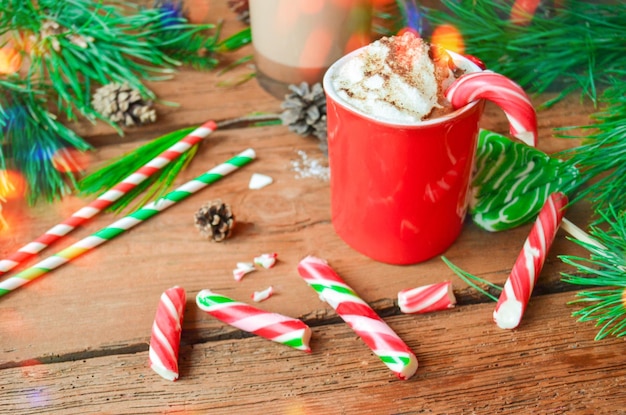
<point x="242" y="269"/>
<point x="266" y="261"/>
<point x="259" y="296"/>
<point x="259" y="181"/>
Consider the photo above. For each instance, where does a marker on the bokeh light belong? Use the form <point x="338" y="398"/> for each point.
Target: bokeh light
<point x="312" y="6"/>
<point x="198" y="11"/>
<point x="10" y="59"/>
<point x="448" y="37"/>
<point x="382" y="3"/>
<point x="12" y="185"/>
<point x="70" y="160"/>
<point x="523" y="11"/>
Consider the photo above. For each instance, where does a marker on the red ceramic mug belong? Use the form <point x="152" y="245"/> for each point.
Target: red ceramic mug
<point x="399" y="191"/>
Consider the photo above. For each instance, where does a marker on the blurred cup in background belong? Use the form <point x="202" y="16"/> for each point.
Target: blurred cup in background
<point x="297" y="40"/>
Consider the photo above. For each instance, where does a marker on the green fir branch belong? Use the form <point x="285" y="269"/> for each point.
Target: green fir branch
<point x="71" y="48"/>
<point x="564" y="49"/>
<point x="601" y="157"/>
<point x="605" y="273"/>
<point x="30" y="139"/>
<point x="80" y="44"/>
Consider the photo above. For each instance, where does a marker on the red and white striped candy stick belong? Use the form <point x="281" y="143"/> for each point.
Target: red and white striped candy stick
<point x="508" y="95"/>
<point x="107" y="198"/>
<point x="166" y="331"/>
<point x="427" y="298"/>
<point x="383" y="341"/>
<point x="127" y="222"/>
<point x="273" y="326"/>
<point x="519" y="286"/>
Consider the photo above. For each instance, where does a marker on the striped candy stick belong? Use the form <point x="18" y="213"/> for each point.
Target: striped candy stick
<point x="106" y="199"/>
<point x="519" y="286"/>
<point x="427" y="298"/>
<point x="127" y="222"/>
<point x="166" y="331"/>
<point x="383" y="341"/>
<point x="276" y="327"/>
<point x="508" y="95"/>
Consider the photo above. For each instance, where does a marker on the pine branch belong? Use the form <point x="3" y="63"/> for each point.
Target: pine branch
<point x="74" y="46"/>
<point x="602" y="156"/>
<point x="118" y="169"/>
<point x="78" y="44"/>
<point x="161" y="181"/>
<point x="565" y="49"/>
<point x="605" y="272"/>
<point x="31" y="141"/>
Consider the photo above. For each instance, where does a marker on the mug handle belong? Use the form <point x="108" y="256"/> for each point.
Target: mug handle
<point x="502" y="91"/>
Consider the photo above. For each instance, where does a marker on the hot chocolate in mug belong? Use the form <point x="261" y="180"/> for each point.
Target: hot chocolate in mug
<point x="400" y="190"/>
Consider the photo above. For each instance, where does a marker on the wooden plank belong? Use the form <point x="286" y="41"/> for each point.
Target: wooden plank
<point x="78" y="308"/>
<point x="467" y="365"/>
<point x="122" y="280"/>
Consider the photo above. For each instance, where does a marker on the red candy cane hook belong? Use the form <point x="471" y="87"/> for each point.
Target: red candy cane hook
<point x="508" y="95"/>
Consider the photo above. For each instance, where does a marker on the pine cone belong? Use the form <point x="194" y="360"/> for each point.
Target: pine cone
<point x="215" y="220"/>
<point x="241" y="8"/>
<point x="122" y="104"/>
<point x="305" y="111"/>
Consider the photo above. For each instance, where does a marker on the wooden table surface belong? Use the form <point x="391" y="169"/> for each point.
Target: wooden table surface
<point x="76" y="340"/>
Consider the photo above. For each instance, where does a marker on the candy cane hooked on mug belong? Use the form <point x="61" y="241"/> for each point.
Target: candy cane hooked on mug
<point x="502" y="91"/>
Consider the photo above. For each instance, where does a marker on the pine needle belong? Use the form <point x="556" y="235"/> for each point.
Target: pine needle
<point x="473" y="280"/>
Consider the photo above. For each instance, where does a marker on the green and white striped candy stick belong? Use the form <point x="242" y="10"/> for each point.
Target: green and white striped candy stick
<point x="512" y="182"/>
<point x="273" y="326"/>
<point x="127" y="222"/>
<point x="372" y="329"/>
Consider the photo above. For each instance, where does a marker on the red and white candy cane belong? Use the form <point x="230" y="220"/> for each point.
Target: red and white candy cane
<point x="106" y="199"/>
<point x="273" y="326"/>
<point x="166" y="332"/>
<point x="508" y="95"/>
<point x="427" y="298"/>
<point x="383" y="341"/>
<point x="519" y="286"/>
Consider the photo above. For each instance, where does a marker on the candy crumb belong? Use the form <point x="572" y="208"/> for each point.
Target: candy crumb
<point x="259" y="181"/>
<point x="266" y="261"/>
<point x="259" y="296"/>
<point x="242" y="269"/>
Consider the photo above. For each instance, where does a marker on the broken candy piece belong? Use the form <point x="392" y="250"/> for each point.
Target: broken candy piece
<point x="242" y="269"/>
<point x="258" y="181"/>
<point x="266" y="260"/>
<point x="259" y="296"/>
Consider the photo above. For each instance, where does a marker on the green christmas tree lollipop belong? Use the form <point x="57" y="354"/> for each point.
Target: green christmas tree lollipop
<point x="512" y="181"/>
